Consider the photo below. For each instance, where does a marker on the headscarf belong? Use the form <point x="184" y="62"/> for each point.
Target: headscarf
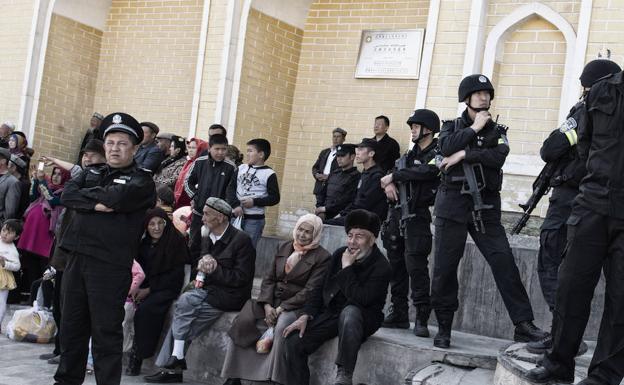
<point x="179" y="186"/>
<point x="65" y="176"/>
<point x="300" y="251"/>
<point x="170" y="250"/>
<point x="20" y="142"/>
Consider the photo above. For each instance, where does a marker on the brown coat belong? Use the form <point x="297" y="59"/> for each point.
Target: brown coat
<point x="290" y="291"/>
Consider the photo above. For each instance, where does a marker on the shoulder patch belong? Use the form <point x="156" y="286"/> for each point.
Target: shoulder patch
<point x="569" y="125"/>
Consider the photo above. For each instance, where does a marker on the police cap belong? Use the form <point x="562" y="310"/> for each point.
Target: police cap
<point x="345" y="149"/>
<point x="473" y="83"/>
<point x="368" y="142"/>
<point x="597" y="69"/>
<point x="425" y="118"/>
<point x="122" y="122"/>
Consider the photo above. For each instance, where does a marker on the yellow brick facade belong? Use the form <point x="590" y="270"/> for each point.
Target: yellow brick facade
<point x="148" y="60"/>
<point x="67" y="88"/>
<point x="268" y="78"/>
<point x="15" y="31"/>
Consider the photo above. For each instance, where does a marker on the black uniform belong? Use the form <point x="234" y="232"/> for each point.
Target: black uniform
<point x="387" y="152"/>
<point x="408" y="255"/>
<point x="453" y="221"/>
<point x="595" y="238"/>
<point x="340" y="190"/>
<point x="369" y="196"/>
<point x="559" y="147"/>
<point x="96" y="280"/>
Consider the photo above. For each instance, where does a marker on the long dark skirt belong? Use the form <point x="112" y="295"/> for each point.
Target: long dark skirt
<point x="149" y="319"/>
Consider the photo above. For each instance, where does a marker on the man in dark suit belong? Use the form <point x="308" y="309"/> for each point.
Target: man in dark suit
<point x="326" y="163"/>
<point x="348" y="305"/>
<point x="149" y="155"/>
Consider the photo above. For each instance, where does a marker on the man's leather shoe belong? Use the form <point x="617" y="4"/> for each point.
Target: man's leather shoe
<point x="54" y="360"/>
<point x="164" y="377"/>
<point x="396" y="320"/>
<point x="232" y="381"/>
<point x="541" y="375"/>
<point x="175" y="363"/>
<point x="526" y="331"/>
<point x="47" y="356"/>
<point x="541" y="346"/>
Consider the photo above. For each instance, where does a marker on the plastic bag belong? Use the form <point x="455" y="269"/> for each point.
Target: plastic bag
<point x="264" y="344"/>
<point x="128" y="325"/>
<point x="238" y="222"/>
<point x="32" y="325"/>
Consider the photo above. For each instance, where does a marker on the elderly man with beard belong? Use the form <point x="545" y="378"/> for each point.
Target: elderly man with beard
<point x="226" y="269"/>
<point x="110" y="201"/>
<point x="349" y="304"/>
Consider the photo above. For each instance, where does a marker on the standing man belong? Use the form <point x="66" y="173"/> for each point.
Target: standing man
<point x="149" y="155"/>
<point x="110" y="202"/>
<point x="326" y="163"/>
<point x="369" y="196"/>
<point x="595" y="239"/>
<point x="349" y="304"/>
<point x="93" y="132"/>
<point x="407" y="233"/>
<point x="560" y="148"/>
<point x="210" y="176"/>
<point x="474" y="142"/>
<point x="341" y="184"/>
<point x="388" y="150"/>
<point x="10" y="189"/>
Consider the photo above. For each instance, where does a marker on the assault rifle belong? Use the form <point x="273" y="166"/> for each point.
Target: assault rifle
<point x="401" y="164"/>
<point x="474" y="182"/>
<point x="540" y="188"/>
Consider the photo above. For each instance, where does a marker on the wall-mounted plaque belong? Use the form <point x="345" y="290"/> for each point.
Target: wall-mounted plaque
<point x="390" y="54"/>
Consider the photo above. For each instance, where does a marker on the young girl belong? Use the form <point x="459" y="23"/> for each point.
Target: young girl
<point x="9" y="260"/>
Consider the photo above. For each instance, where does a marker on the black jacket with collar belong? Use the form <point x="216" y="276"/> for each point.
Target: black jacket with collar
<point x="388" y="151"/>
<point x="229" y="286"/>
<point x="369" y="196"/>
<point x="209" y="178"/>
<point x="341" y="188"/>
<point x="149" y="157"/>
<point x="112" y="237"/>
<point x="600" y="143"/>
<point x="363" y="284"/>
<point x="318" y="168"/>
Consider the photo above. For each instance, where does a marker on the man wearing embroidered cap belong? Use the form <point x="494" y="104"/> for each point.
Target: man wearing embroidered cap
<point x="227" y="264"/>
<point x="110" y="201"/>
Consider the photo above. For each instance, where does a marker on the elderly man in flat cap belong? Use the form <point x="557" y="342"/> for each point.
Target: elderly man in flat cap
<point x="226" y="266"/>
<point x="110" y="201"/>
<point x="348" y="305"/>
<point x="326" y="163"/>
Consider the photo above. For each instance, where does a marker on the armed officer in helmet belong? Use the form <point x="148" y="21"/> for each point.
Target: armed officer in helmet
<point x="474" y="149"/>
<point x="412" y="184"/>
<point x="560" y="150"/>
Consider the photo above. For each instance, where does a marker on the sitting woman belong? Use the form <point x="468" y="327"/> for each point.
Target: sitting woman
<point x="162" y="255"/>
<point x="297" y="270"/>
<point x="170" y="168"/>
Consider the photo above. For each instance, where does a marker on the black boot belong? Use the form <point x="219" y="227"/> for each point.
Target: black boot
<point x="443" y="338"/>
<point x="422" y="317"/>
<point x="134" y="363"/>
<point x="397" y="319"/>
<point x="526" y="331"/>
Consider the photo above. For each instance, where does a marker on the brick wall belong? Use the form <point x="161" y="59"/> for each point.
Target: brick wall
<point x="148" y="60"/>
<point x="327" y="95"/>
<point x="268" y="78"/>
<point x="14" y="35"/>
<point x="605" y="30"/>
<point x="67" y="88"/>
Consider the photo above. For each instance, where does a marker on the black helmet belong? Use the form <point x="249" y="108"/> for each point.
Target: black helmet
<point x="474" y="83"/>
<point x="426" y="118"/>
<point x="597" y="69"/>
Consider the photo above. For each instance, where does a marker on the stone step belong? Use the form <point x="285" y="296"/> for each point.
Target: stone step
<point x="443" y="374"/>
<point x="515" y="361"/>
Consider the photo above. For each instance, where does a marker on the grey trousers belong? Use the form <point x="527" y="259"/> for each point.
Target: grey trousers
<point x="191" y="317"/>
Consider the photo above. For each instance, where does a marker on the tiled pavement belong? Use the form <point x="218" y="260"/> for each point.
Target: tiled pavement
<point x="20" y="365"/>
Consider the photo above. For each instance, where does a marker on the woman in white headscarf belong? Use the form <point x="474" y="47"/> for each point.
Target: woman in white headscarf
<point x="297" y="270"/>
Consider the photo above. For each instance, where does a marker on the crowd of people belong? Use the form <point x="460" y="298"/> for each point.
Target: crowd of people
<point x="107" y="239"/>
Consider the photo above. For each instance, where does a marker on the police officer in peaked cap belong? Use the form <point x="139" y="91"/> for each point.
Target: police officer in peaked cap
<point x="110" y="201"/>
<point x="479" y="142"/>
<point x="407" y="233"/>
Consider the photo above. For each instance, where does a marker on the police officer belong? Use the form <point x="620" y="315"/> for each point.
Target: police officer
<point x="407" y="232"/>
<point x="341" y="184"/>
<point x="595" y="239"/>
<point x="560" y="148"/>
<point x="474" y="138"/>
<point x="110" y="201"/>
